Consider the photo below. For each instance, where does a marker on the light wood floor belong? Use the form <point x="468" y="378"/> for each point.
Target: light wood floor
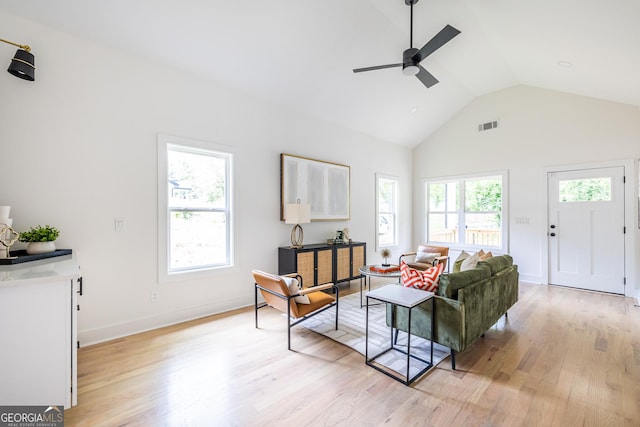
<point x="562" y="358"/>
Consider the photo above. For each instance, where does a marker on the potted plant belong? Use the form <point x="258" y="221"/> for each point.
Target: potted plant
<point x="386" y="253"/>
<point x="40" y="239"/>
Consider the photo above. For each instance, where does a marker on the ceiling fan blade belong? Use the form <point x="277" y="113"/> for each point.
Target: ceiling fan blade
<point x="426" y="77"/>
<point x="439" y="40"/>
<point x="377" y="67"/>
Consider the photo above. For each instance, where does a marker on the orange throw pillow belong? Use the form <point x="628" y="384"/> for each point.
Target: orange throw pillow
<point x="426" y="280"/>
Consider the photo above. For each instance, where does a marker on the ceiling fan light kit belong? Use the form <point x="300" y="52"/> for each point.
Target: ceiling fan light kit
<point x="409" y="66"/>
<point x="412" y="57"/>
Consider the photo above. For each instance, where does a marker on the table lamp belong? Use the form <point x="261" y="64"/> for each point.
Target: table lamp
<point x="297" y="213"/>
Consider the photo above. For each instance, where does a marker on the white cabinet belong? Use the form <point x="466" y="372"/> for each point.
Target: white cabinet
<point x="38" y="332"/>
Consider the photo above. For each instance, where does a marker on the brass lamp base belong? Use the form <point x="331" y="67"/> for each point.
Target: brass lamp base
<point x="296" y="236"/>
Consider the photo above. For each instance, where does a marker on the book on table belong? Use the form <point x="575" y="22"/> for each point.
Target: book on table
<point x="385" y="268"/>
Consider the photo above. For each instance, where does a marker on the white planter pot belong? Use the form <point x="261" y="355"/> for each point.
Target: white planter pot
<point x="34" y="248"/>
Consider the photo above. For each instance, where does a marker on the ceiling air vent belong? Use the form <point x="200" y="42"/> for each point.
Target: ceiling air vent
<point x="487" y="126"/>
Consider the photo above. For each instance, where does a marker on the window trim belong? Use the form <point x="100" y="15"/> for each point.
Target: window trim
<point x="504" y="246"/>
<point x="396" y="180"/>
<point x="163" y="209"/>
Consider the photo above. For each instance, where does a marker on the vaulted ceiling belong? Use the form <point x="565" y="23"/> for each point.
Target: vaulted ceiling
<point x="300" y="53"/>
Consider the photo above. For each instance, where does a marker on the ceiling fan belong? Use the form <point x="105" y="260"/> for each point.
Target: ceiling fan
<point x="412" y="57"/>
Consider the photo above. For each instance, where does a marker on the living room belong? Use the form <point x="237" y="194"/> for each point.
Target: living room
<point x="90" y="124"/>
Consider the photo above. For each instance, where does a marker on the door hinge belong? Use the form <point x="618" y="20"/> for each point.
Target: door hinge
<point x="77" y="344"/>
<point x="624" y="230"/>
<point x="624" y="179"/>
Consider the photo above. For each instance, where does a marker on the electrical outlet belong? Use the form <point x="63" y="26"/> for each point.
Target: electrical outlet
<point x="155" y="296"/>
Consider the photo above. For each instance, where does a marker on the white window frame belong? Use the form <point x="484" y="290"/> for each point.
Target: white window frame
<point x="166" y="142"/>
<point x="460" y="179"/>
<point x="396" y="181"/>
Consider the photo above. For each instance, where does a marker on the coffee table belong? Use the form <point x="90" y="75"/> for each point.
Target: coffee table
<point x="403" y="297"/>
<point x="367" y="272"/>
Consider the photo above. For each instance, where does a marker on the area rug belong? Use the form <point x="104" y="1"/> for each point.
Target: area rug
<point x="351" y="332"/>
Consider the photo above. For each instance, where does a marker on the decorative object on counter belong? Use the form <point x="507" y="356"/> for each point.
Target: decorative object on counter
<point x="8" y="237"/>
<point x="339" y="239"/>
<point x="40" y="239"/>
<point x="386" y="253"/>
<point x="346" y="235"/>
<point x="297" y="213"/>
<point x="23" y="63"/>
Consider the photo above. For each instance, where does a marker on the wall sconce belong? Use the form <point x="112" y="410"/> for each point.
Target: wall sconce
<point x="23" y="64"/>
<point x="297" y="213"/>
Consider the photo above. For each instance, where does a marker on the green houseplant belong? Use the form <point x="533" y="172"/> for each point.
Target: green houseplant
<point x="40" y="239"/>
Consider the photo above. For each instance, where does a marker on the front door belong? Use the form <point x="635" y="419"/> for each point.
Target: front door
<point x="586" y="229"/>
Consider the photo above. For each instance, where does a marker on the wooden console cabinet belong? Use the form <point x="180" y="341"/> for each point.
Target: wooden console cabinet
<point x="323" y="263"/>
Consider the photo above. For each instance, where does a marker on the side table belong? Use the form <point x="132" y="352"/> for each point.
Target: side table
<point x="403" y="297"/>
<point x="367" y="271"/>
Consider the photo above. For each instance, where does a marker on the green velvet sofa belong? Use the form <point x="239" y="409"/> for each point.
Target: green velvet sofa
<point x="467" y="304"/>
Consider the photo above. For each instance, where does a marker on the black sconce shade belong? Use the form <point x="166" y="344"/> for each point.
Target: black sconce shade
<point x="23" y="65"/>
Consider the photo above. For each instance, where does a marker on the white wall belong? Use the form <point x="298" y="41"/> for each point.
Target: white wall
<point x="538" y="129"/>
<point x="78" y="149"/>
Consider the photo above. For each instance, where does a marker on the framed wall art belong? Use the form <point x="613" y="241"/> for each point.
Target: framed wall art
<point x="323" y="185"/>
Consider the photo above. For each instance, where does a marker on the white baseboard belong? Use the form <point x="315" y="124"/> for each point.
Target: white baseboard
<point x="143" y="324"/>
<point x="531" y="279"/>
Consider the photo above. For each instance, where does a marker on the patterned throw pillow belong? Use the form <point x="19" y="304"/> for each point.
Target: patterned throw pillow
<point x="426" y="280"/>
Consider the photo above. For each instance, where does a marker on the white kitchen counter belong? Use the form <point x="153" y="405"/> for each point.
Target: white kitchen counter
<point x="63" y="267"/>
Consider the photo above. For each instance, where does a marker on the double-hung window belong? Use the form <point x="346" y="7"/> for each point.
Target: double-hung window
<point x="467" y="211"/>
<point x="386" y="211"/>
<point x="195" y="206"/>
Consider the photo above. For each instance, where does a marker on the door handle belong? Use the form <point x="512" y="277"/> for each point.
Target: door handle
<point x="553" y="226"/>
<point x="552" y="234"/>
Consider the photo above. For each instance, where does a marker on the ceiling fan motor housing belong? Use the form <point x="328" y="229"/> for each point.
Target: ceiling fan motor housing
<point x="410" y="65"/>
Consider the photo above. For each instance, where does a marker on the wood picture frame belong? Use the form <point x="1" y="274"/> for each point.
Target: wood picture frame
<point x="325" y="186"/>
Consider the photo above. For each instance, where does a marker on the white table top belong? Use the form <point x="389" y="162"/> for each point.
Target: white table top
<point x="400" y="295"/>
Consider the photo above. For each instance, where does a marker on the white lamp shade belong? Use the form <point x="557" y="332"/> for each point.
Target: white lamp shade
<point x="297" y="213"/>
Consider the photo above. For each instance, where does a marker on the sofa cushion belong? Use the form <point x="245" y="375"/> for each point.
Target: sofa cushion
<point x="450" y="283"/>
<point x="471" y="262"/>
<point x="458" y="262"/>
<point x="497" y="263"/>
<point x="427" y="257"/>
